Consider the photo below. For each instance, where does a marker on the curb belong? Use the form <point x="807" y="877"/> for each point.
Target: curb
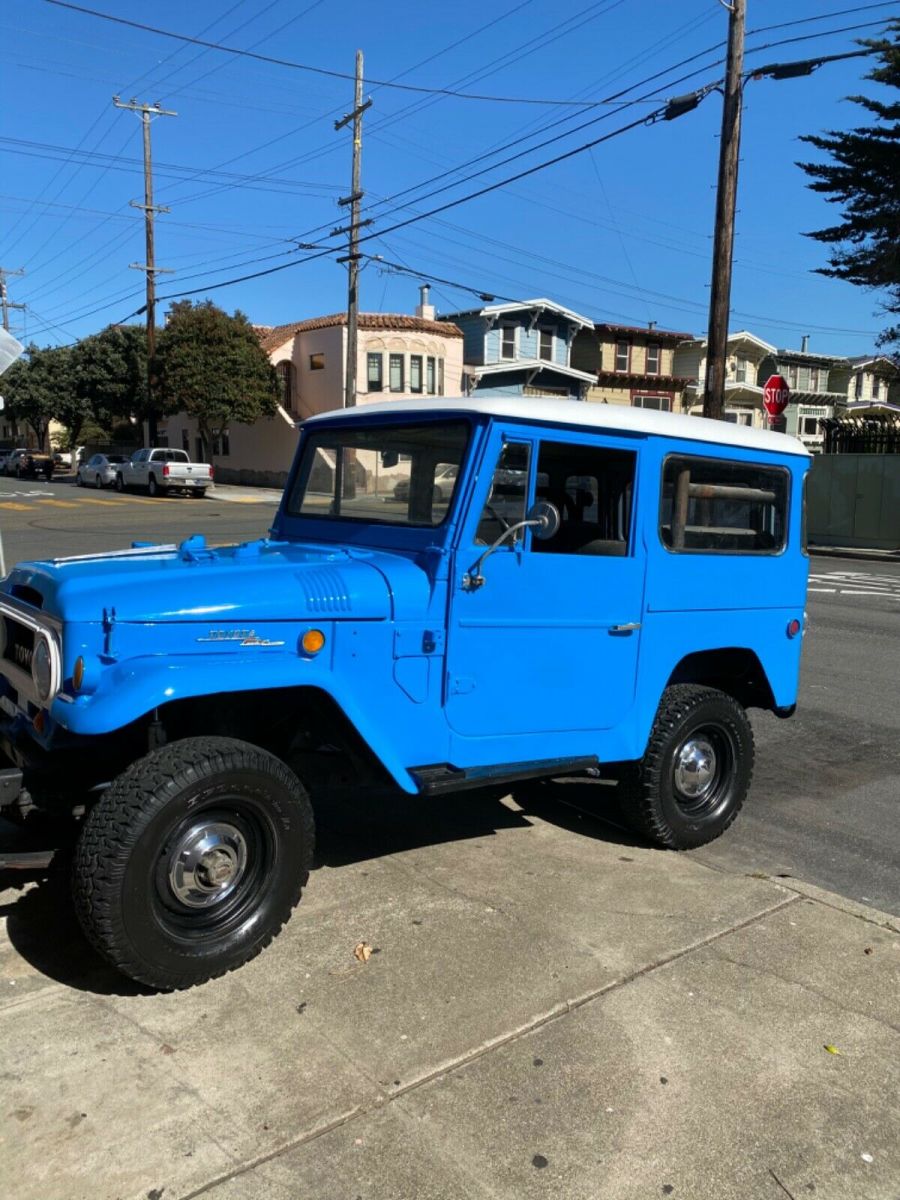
<point x="853" y="908"/>
<point x="888" y="556"/>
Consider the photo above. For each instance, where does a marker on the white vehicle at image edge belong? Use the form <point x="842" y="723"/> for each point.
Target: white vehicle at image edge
<point x="100" y="470"/>
<point x="163" y="470"/>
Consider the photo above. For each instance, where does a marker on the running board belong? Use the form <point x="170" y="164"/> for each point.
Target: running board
<point x="441" y="777"/>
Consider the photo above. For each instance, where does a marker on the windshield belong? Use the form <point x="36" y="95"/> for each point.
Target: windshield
<point x="392" y="474"/>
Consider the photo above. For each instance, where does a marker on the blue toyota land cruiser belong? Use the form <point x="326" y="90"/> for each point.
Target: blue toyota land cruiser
<point x="453" y="594"/>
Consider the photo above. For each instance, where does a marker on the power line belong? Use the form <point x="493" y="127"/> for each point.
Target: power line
<point x="284" y="62"/>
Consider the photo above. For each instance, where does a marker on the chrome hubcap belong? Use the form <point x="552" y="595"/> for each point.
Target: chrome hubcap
<point x="695" y="768"/>
<point x="207" y="864"/>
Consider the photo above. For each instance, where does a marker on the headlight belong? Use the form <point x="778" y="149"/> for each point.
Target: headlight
<point x="42" y="668"/>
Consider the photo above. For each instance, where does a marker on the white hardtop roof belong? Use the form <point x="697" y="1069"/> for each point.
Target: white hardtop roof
<point x="585" y="415"/>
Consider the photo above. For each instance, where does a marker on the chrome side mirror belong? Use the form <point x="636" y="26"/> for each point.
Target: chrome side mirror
<point x="543" y="517"/>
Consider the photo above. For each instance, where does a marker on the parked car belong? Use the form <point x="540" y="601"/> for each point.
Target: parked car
<point x="642" y="587"/>
<point x="163" y="470"/>
<point x="444" y="482"/>
<point x="29" y="464"/>
<point x="4" y="455"/>
<point x="100" y="470"/>
<point x="62" y="459"/>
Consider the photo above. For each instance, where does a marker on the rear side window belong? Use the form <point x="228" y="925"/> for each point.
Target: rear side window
<point x="715" y="506"/>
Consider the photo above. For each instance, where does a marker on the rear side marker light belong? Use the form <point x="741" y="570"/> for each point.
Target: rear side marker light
<point x="793" y="628"/>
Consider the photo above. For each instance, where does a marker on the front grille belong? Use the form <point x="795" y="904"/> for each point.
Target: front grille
<point x="19" y="644"/>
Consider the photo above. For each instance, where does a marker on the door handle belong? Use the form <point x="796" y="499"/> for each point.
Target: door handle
<point x="627" y="627"/>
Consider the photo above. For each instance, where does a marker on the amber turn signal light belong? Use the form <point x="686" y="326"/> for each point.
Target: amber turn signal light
<point x="313" y="641"/>
<point x="78" y="674"/>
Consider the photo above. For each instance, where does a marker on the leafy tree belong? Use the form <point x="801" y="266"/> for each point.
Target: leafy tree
<point x="212" y="367"/>
<point x="40" y="387"/>
<point x="111" y="373"/>
<point x="863" y="176"/>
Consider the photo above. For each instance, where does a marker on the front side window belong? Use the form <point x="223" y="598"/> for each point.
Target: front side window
<point x="592" y="487"/>
<point x="389" y="475"/>
<point x="623" y="356"/>
<point x="396" y="369"/>
<point x="653" y="359"/>
<point x="715" y="506"/>
<point x="415" y="373"/>
<point x="375" y="372"/>
<point x="507" y="495"/>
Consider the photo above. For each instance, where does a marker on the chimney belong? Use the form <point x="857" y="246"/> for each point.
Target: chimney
<point x="423" y="308"/>
<point x="804" y="343"/>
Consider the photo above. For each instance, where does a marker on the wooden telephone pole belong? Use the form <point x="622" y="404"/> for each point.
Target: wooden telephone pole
<point x="726" y="201"/>
<point x="352" y="257"/>
<point x="148" y="111"/>
<point x="5" y="303"/>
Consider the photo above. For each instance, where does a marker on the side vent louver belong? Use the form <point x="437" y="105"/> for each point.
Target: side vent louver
<point x="325" y="590"/>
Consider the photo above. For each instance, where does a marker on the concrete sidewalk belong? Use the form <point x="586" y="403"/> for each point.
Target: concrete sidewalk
<point x="552" y="1010"/>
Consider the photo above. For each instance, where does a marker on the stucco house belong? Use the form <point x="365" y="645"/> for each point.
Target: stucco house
<point x="521" y="348"/>
<point x="633" y="365"/>
<point x="399" y="357"/>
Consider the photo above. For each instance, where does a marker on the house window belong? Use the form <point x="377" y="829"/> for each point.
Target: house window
<point x="809" y="426"/>
<point x="285" y="372"/>
<point x="653" y="359"/>
<point x="657" y="403"/>
<point x="740" y="372"/>
<point x="415" y="373"/>
<point x="858" y="386"/>
<point x="738" y="417"/>
<point x="221" y="444"/>
<point x="317" y="362"/>
<point x="813" y="379"/>
<point x="185" y="441"/>
<point x="623" y="356"/>
<point x="375" y="372"/>
<point x="440" y="381"/>
<point x="876" y="388"/>
<point x="429" y="375"/>
<point x="508" y="341"/>
<point x="546" y="345"/>
<point x="396" y="372"/>
<point x="792" y="376"/>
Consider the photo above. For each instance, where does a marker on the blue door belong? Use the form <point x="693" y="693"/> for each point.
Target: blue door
<point x="549" y="642"/>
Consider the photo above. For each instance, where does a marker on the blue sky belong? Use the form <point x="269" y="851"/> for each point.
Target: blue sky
<point x="252" y="163"/>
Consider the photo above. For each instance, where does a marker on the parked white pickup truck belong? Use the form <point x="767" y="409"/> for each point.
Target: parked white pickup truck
<point x="163" y="470"/>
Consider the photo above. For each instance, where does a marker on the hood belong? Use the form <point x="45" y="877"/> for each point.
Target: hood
<point x="255" y="581"/>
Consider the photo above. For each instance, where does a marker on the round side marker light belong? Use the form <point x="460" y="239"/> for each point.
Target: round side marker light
<point x="78" y="674"/>
<point x="313" y="641"/>
<point x="793" y="628"/>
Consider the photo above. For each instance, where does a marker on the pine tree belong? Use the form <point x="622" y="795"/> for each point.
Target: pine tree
<point x="863" y="176"/>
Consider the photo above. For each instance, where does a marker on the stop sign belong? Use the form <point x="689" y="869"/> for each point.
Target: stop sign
<point x="776" y="395"/>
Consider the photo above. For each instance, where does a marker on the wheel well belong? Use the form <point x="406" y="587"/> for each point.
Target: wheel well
<point x="303" y="726"/>
<point x="734" y="670"/>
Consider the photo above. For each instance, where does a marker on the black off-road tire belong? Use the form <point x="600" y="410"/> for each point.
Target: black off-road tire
<point x="648" y="797"/>
<point x="123" y="861"/>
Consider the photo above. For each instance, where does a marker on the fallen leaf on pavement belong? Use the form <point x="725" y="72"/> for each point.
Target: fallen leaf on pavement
<point x="831" y="1049"/>
<point x="362" y="951"/>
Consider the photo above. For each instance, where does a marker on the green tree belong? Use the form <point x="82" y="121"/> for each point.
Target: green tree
<point x="862" y="175"/>
<point x="111" y="374"/>
<point x="40" y="387"/>
<point x="212" y="367"/>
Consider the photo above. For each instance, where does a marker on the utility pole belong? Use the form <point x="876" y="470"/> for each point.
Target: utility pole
<point x="352" y="256"/>
<point x="5" y="303"/>
<point x="148" y="111"/>
<point x="726" y="201"/>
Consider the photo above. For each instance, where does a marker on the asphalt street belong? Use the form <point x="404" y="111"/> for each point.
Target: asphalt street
<point x="826" y="790"/>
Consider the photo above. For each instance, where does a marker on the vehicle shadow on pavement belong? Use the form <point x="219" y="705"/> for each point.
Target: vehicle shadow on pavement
<point x="352" y="827"/>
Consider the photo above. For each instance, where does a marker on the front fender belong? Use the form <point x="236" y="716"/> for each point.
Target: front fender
<point x="133" y="689"/>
